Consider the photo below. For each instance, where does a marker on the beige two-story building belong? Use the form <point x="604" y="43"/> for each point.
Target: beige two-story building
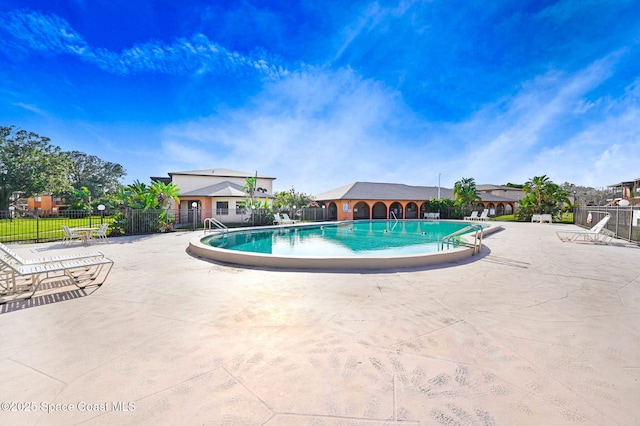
<point x="216" y="193"/>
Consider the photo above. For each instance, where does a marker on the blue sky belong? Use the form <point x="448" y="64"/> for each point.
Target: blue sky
<point x="321" y="94"/>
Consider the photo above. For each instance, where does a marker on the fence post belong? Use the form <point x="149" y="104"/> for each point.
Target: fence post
<point x="37" y="226"/>
<point x="630" y="223"/>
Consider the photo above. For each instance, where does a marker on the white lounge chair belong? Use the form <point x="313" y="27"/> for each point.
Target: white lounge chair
<point x="484" y="215"/>
<point x="19" y="276"/>
<point x="596" y="234"/>
<point x="8" y="253"/>
<point x="474" y="216"/>
<point x="287" y="219"/>
<point x="284" y="220"/>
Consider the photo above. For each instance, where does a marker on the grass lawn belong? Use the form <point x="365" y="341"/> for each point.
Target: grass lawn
<point x="44" y="229"/>
<point x="566" y="218"/>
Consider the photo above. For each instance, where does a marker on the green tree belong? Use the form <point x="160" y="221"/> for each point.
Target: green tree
<point x="291" y="198"/>
<point x="444" y="206"/>
<point x="514" y="185"/>
<point x="137" y="196"/>
<point x="164" y="193"/>
<point x="81" y="199"/>
<point x="31" y="165"/>
<point x="254" y="206"/>
<point x="250" y="190"/>
<point x="537" y="187"/>
<point x="140" y="196"/>
<point x="542" y="197"/>
<point x="98" y="176"/>
<point x="466" y="194"/>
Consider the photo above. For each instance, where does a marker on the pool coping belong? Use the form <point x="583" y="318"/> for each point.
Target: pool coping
<point x="197" y="248"/>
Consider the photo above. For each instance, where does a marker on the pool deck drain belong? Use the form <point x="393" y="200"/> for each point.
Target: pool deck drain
<point x="532" y="331"/>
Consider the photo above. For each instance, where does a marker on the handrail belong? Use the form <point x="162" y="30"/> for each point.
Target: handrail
<point x="477" y="243"/>
<point x="394" y="215"/>
<point x="210" y="222"/>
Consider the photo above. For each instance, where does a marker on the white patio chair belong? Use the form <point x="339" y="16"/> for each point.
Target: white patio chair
<point x="101" y="232"/>
<point x="70" y="235"/>
<point x="484" y="215"/>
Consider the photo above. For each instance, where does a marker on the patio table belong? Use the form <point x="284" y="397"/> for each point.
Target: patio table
<point x="85" y="234"/>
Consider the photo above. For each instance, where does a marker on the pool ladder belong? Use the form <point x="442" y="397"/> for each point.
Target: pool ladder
<point x="477" y="243"/>
<point x="212" y="224"/>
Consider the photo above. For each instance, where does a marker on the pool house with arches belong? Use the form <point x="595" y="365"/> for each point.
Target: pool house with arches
<point x="373" y="200"/>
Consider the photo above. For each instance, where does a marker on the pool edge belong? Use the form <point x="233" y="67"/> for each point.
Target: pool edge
<point x="197" y="248"/>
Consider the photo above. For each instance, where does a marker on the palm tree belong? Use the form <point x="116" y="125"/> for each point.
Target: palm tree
<point x="543" y="197"/>
<point x="250" y="188"/>
<point x="538" y="186"/>
<point x="165" y="192"/>
<point x="466" y="194"/>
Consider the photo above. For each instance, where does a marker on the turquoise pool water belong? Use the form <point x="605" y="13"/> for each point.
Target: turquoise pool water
<point x="359" y="238"/>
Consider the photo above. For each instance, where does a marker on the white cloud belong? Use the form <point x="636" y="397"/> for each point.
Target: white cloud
<point x="317" y="130"/>
<point x="52" y="35"/>
<point x="371" y="17"/>
<point x="311" y="130"/>
<point x="31" y="108"/>
<point x="534" y="132"/>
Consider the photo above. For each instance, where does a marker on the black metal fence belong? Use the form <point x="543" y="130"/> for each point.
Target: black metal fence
<point x="43" y="226"/>
<point x="625" y="221"/>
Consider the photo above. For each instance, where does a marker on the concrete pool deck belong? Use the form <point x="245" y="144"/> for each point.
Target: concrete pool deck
<point x="531" y="331"/>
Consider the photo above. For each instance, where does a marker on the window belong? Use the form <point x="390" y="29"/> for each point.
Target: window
<point x="222" y="207"/>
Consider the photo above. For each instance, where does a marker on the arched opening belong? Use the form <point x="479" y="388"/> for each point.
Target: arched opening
<point x="379" y="211"/>
<point x="508" y="209"/>
<point x="424" y="208"/>
<point x="396" y="209"/>
<point x="411" y="211"/>
<point x="500" y="209"/>
<point x="361" y="211"/>
<point x="333" y="211"/>
<point x="492" y="209"/>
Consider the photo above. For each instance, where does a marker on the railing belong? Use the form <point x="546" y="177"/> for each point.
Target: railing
<point x="477" y="244"/>
<point x="211" y="222"/>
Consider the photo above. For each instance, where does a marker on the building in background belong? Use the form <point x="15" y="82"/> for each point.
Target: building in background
<point x="216" y="193"/>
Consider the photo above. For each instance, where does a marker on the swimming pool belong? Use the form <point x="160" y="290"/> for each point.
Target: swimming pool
<point x="345" y="245"/>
